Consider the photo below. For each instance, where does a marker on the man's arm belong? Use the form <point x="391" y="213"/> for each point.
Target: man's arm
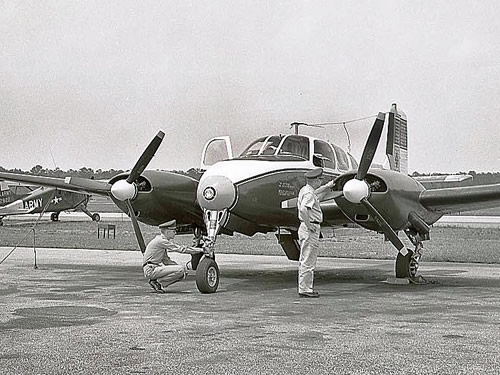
<point x="323" y="190"/>
<point x="184" y="249"/>
<point x="171" y="246"/>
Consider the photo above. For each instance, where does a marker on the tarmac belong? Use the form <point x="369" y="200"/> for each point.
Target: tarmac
<point x="92" y="312"/>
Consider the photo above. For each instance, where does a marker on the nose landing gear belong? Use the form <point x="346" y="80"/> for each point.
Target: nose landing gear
<point x="207" y="270"/>
<point x="207" y="275"/>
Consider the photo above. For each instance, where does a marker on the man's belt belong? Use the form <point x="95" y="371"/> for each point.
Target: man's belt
<point x="314" y="222"/>
<point x="145" y="264"/>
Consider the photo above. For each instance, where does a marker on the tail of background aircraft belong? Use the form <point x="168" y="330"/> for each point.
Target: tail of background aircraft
<point x="6" y="194"/>
<point x="397" y="140"/>
<point x="12" y="191"/>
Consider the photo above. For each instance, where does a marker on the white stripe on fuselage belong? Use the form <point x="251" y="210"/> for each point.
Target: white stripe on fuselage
<point x="240" y="170"/>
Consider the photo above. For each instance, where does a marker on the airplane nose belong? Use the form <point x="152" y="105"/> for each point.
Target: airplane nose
<point x="216" y="193"/>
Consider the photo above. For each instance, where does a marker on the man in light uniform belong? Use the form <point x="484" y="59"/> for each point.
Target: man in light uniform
<point x="310" y="216"/>
<point x="157" y="265"/>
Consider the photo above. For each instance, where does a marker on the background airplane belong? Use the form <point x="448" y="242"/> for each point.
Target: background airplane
<point x="256" y="192"/>
<point x="27" y="199"/>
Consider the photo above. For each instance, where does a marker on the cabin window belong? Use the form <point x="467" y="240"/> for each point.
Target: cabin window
<point x="341" y="158"/>
<point x="323" y="151"/>
<point x="295" y="145"/>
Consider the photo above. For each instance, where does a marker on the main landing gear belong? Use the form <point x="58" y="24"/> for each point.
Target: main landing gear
<point x="94" y="216"/>
<point x="207" y="271"/>
<point x="407" y="261"/>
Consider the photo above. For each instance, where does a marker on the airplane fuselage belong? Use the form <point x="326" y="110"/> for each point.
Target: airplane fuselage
<point x="42" y="199"/>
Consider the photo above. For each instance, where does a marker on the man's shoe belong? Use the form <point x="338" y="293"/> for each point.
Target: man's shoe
<point x="309" y="295"/>
<point x="156" y="286"/>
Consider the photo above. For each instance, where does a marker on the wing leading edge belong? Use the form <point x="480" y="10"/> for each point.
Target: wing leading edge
<point x="459" y="199"/>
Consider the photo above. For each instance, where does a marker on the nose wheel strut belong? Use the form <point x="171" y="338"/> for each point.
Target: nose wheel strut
<point x="207" y="270"/>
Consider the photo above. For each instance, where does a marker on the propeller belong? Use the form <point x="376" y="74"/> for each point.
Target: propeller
<point x="126" y="190"/>
<point x="137" y="229"/>
<point x="357" y="189"/>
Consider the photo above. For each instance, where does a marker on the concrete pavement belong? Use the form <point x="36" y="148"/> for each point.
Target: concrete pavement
<point x="92" y="312"/>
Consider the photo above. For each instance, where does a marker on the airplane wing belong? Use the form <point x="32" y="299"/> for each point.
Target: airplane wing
<point x="459" y="199"/>
<point x="332" y="214"/>
<point x="75" y="184"/>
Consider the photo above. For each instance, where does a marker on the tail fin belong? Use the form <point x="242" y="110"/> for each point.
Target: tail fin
<point x="397" y="140"/>
<point x="6" y="194"/>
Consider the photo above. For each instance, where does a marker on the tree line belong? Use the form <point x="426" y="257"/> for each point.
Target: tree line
<point x="83" y="172"/>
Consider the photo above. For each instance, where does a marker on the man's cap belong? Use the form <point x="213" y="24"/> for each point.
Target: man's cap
<point x="169" y="224"/>
<point x="315" y="173"/>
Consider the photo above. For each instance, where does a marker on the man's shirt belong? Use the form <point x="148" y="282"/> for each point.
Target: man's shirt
<point x="308" y="198"/>
<point x="157" y="250"/>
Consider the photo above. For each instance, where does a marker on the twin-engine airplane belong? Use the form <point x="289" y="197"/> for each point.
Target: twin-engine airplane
<point x="26" y="199"/>
<point x="256" y="193"/>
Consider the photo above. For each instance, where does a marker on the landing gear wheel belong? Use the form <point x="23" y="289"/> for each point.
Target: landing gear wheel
<point x="54" y="216"/>
<point x="207" y="275"/>
<point x="403" y="264"/>
<point x="96" y="217"/>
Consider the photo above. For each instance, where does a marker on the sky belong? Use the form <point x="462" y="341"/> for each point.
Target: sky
<point x="89" y="83"/>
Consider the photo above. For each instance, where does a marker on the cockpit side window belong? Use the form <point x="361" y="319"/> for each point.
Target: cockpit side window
<point x="254" y="148"/>
<point x="324" y="151"/>
<point x="341" y="158"/>
<point x="295" y="145"/>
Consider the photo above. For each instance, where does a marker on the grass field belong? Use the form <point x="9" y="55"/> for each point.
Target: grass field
<point x="477" y="245"/>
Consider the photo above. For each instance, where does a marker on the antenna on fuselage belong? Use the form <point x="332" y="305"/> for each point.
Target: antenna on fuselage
<point x="296" y="125"/>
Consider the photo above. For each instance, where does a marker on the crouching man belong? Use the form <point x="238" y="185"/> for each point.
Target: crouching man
<point x="157" y="265"/>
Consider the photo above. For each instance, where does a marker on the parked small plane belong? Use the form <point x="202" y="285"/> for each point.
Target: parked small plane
<point x="256" y="192"/>
<point x="26" y="199"/>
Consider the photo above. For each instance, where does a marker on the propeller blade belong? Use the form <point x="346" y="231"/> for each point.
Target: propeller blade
<point x="145" y="158"/>
<point x="371" y="146"/>
<point x="386" y="228"/>
<point x="137" y="229"/>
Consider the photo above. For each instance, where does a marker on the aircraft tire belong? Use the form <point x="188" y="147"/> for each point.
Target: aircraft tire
<point x="96" y="217"/>
<point x="207" y="275"/>
<point x="403" y="265"/>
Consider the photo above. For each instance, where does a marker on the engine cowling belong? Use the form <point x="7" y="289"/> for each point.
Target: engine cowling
<point x="393" y="194"/>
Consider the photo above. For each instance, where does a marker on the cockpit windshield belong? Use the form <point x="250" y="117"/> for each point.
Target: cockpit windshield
<point x="291" y="145"/>
<point x="254" y="147"/>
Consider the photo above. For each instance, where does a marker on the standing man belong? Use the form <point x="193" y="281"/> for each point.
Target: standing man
<point x="157" y="265"/>
<point x="310" y="217"/>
